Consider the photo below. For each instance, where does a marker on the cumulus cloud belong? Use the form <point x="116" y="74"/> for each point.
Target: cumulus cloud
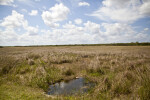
<point x="96" y="33"/>
<point x="33" y="13"/>
<point x="7" y="2"/>
<point x="116" y="3"/>
<point x="83" y="4"/>
<point x="119" y="32"/>
<point x="92" y="27"/>
<point x="55" y="14"/>
<point x="13" y="21"/>
<point x="145" y="9"/>
<point x="16" y="20"/>
<point x="126" y="11"/>
<point x="31" y="30"/>
<point x="88" y="32"/>
<point x="117" y="29"/>
<point x="78" y="21"/>
<point x="9" y="35"/>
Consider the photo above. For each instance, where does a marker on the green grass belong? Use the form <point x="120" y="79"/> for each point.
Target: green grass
<point x="13" y="91"/>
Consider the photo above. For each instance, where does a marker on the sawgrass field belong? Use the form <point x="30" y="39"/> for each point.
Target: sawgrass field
<point x="119" y="72"/>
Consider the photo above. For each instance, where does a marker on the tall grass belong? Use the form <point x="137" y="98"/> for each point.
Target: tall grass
<point x="118" y="74"/>
<point x="6" y="64"/>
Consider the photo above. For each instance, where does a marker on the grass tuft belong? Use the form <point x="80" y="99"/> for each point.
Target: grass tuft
<point x="33" y="56"/>
<point x="69" y="72"/>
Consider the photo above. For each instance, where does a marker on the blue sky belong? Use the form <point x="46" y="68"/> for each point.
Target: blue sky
<point x="51" y="22"/>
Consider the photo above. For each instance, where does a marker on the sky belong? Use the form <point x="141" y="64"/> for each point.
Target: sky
<point x="56" y="22"/>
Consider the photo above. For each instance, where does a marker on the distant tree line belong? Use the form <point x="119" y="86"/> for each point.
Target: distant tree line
<point x="108" y="44"/>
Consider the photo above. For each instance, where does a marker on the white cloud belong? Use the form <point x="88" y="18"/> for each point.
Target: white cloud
<point x="9" y="34"/>
<point x="12" y="25"/>
<point x="119" y="15"/>
<point x="142" y="37"/>
<point x="83" y="4"/>
<point x="30" y="3"/>
<point x="7" y="2"/>
<point x="146" y="29"/>
<point x="24" y="10"/>
<point x="119" y="32"/>
<point x="13" y="21"/>
<point x="122" y="10"/>
<point x="116" y="3"/>
<point x="88" y="32"/>
<point x="55" y="14"/>
<point x="118" y="29"/>
<point x="92" y="27"/>
<point x="69" y="25"/>
<point x="32" y="30"/>
<point x="16" y="20"/>
<point x="11" y="2"/>
<point x="145" y="9"/>
<point x="78" y="21"/>
<point x="33" y="13"/>
<point x="95" y="33"/>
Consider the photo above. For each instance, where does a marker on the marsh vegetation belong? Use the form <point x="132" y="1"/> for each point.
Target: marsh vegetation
<point x="119" y="72"/>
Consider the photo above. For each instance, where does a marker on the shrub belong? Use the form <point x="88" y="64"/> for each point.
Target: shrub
<point x="6" y="64"/>
<point x="90" y="70"/>
<point x="69" y="72"/>
<point x="33" y="56"/>
<point x="100" y="71"/>
<point x="97" y="71"/>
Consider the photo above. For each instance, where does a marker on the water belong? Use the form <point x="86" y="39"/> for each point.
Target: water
<point x="80" y="85"/>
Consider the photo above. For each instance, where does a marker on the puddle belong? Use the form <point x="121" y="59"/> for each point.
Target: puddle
<point x="79" y="85"/>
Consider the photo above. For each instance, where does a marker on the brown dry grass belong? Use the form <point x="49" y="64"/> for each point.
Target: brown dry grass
<point x="121" y="72"/>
